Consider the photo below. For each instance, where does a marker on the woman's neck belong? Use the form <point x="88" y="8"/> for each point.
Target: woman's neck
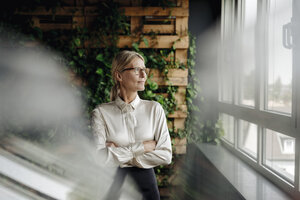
<point x="127" y="97"/>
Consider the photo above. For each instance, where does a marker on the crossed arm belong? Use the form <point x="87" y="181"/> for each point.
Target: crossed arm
<point x="145" y="154"/>
<point x="148" y="145"/>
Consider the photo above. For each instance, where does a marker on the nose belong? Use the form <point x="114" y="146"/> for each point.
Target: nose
<point x="143" y="74"/>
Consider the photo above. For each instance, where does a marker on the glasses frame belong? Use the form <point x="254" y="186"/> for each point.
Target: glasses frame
<point x="137" y="70"/>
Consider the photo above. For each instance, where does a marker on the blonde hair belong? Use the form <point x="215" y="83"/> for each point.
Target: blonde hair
<point x="120" y="61"/>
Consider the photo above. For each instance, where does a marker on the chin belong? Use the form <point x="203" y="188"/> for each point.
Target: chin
<point x="141" y="89"/>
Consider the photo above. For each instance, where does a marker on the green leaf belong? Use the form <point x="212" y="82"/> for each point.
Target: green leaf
<point x="77" y="42"/>
<point x="135" y="46"/>
<point x="99" y="71"/>
<point x="100" y="57"/>
<point x="80" y="52"/>
<point x="72" y="63"/>
<point x="146" y="42"/>
<point x="153" y="86"/>
<point x="149" y="93"/>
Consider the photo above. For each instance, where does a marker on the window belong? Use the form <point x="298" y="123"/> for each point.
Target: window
<point x="279" y="153"/>
<point x="257" y="98"/>
<point x="228" y="126"/>
<point x="279" y="58"/>
<point x="247" y="63"/>
<point x="227" y="35"/>
<point x="288" y="146"/>
<point x="247" y="138"/>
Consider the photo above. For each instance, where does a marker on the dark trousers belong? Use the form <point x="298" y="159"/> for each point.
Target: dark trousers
<point x="144" y="178"/>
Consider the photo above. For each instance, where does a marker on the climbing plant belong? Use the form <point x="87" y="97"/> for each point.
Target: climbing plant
<point x="88" y="53"/>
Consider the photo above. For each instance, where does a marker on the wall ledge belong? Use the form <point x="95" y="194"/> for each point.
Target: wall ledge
<point x="248" y="182"/>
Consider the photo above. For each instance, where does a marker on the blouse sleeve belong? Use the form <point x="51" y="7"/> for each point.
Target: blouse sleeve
<point x="111" y="156"/>
<point x="162" y="155"/>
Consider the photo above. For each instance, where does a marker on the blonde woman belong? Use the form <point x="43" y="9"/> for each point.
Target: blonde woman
<point x="130" y="132"/>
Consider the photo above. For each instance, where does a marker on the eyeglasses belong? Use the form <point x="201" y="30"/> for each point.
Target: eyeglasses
<point x="137" y="70"/>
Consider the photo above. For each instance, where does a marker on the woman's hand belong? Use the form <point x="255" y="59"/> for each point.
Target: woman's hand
<point x="149" y="145"/>
<point x="111" y="144"/>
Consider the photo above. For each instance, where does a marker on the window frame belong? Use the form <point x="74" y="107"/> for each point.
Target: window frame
<point x="265" y="119"/>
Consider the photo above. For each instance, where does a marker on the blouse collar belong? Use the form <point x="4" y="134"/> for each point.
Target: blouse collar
<point x="127" y="106"/>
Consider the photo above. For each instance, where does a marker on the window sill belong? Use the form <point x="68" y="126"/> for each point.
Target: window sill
<point x="249" y="183"/>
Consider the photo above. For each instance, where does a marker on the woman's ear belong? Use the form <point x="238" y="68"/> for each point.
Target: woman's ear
<point x="118" y="76"/>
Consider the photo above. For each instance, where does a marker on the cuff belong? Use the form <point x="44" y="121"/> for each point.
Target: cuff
<point x="137" y="149"/>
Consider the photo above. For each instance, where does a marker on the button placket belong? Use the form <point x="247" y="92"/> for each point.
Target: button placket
<point x="130" y="123"/>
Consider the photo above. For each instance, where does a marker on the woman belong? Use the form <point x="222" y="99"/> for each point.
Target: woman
<point x="130" y="132"/>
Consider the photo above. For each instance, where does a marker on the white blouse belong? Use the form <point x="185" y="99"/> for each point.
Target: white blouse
<point x="128" y="126"/>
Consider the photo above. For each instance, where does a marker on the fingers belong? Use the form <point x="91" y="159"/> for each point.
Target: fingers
<point x="111" y="144"/>
<point x="151" y="142"/>
<point x="149" y="145"/>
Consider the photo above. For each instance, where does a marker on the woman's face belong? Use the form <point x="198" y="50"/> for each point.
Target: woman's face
<point x="132" y="79"/>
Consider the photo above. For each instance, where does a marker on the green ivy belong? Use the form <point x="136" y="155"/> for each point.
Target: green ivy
<point x="89" y="52"/>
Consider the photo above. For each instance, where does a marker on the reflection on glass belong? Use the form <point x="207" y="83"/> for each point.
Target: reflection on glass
<point x="279" y="84"/>
<point x="228" y="125"/>
<point x="279" y="153"/>
<point x="247" y="137"/>
<point x="228" y="18"/>
<point x="247" y="76"/>
<point x="225" y="72"/>
<point x="226" y="82"/>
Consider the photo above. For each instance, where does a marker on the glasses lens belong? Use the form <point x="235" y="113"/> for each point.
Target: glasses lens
<point x="139" y="70"/>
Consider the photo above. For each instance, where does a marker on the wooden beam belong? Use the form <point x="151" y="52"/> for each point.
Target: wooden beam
<point x="177" y="77"/>
<point x="135" y="24"/>
<point x="78" y="21"/>
<point x="181" y="25"/>
<point x="179" y="124"/>
<point x="180" y="95"/>
<point x="179" y="141"/>
<point x="134" y="2"/>
<point x="170" y="124"/>
<point x="159" y="29"/>
<point x="36" y="21"/>
<point x="92" y="10"/>
<point x="52" y="26"/>
<point x="176" y="81"/>
<point x="183" y="3"/>
<point x="68" y="10"/>
<point x="181" y="149"/>
<point x="161" y="41"/>
<point x="155" y="11"/>
<point x="181" y="113"/>
<point x="181" y="55"/>
<point x="183" y="73"/>
<point x="89" y="21"/>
